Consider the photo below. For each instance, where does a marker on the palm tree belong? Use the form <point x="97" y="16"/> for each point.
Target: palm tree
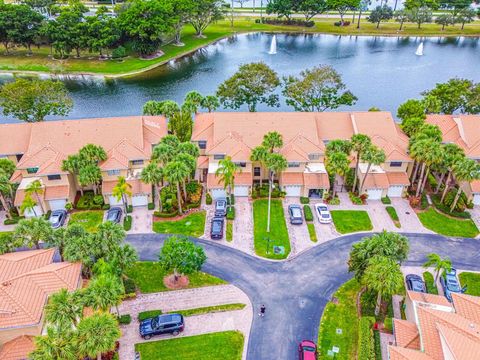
<point x="97" y="334"/>
<point x="344" y="146"/>
<point x="191" y="164"/>
<point x="28" y="204"/>
<point x="30" y="232"/>
<point x="383" y="275"/>
<point x="153" y="174"/>
<point x="195" y="99"/>
<point x="72" y="164"/>
<point x="187" y="147"/>
<point x="63" y="309"/>
<point x="57" y="344"/>
<point x="123" y="258"/>
<point x="92" y="153"/>
<point x="226" y="173"/>
<point x="272" y="140"/>
<point x="103" y="292"/>
<point x="337" y="163"/>
<point x="108" y="237"/>
<point x="360" y="143"/>
<point x="452" y="154"/>
<point x="6" y="187"/>
<point x="90" y="174"/>
<point x="276" y="163"/>
<point x="259" y="154"/>
<point x="176" y="172"/>
<point x="373" y="156"/>
<point x="36" y="188"/>
<point x="121" y="190"/>
<point x="439" y="264"/>
<point x="464" y="170"/>
<point x="432" y="157"/>
<point x="211" y="103"/>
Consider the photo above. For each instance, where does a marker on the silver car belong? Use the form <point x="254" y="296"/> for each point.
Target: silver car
<point x="295" y="212"/>
<point x="323" y="214"/>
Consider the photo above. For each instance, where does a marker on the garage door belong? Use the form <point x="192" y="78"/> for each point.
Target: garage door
<point x="112" y="200"/>
<point x="293" y="190"/>
<point x="37" y="212"/>
<point x="476" y="199"/>
<point x="241" y="191"/>
<point x="57" y="204"/>
<point x="374" y="194"/>
<point x="218" y="193"/>
<point x="140" y="200"/>
<point x="395" y="191"/>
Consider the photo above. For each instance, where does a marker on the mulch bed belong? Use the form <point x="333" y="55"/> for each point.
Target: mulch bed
<point x="181" y="283"/>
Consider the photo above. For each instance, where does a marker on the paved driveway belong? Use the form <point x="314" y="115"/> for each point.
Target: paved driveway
<point x="296" y="291"/>
<point x="298" y="234"/>
<point x="141" y="220"/>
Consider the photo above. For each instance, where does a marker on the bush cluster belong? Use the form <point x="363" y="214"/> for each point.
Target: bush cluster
<point x="307" y="213"/>
<point x="386" y="200"/>
<point x="230" y="213"/>
<point x="304" y="200"/>
<point x="208" y="199"/>
<point x="291" y="22"/>
<point x="446" y="208"/>
<point x="127" y="223"/>
<point x="124" y="319"/>
<point x="339" y="23"/>
<point x="262" y="192"/>
<point x="89" y="201"/>
<point x="366" y="344"/>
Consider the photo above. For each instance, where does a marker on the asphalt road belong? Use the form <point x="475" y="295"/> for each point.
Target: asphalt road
<point x="296" y="291"/>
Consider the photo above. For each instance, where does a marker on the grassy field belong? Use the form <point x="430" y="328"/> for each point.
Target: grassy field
<point x="197" y="311"/>
<point x="148" y="276"/>
<point x="40" y="61"/>
<point x="278" y="234"/>
<point x="349" y="221"/>
<point x="472" y="280"/>
<point x="89" y="219"/>
<point x="446" y="225"/>
<point x="215" y="346"/>
<point x="190" y="225"/>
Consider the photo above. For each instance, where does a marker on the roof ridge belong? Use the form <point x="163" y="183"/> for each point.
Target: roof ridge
<point x="35" y="252"/>
<point x="28" y="156"/>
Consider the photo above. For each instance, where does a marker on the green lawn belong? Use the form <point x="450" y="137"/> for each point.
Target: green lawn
<point x="197" y="311"/>
<point x="190" y="225"/>
<point x="472" y="280"/>
<point x="278" y="234"/>
<point x="229" y="232"/>
<point x="148" y="276"/>
<point x="393" y="215"/>
<point x="430" y="283"/>
<point x="341" y="315"/>
<point x="447" y="226"/>
<point x="349" y="221"/>
<point x="311" y="232"/>
<point x="215" y="346"/>
<point x="89" y="219"/>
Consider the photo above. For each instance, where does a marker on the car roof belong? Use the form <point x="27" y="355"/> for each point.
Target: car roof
<point x="168" y="318"/>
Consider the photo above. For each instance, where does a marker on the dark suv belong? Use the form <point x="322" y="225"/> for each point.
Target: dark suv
<point x="162" y="324"/>
<point x="216" y="231"/>
<point x="415" y="283"/>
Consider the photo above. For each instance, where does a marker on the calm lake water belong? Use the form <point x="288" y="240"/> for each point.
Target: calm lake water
<point x="380" y="71"/>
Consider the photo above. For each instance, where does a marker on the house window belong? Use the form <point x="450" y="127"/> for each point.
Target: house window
<point x="32" y="170"/>
<point x="54" y="177"/>
<point x="202" y="144"/>
<point x="395" y="164"/>
<point x="137" y="162"/>
<point x="293" y="164"/>
<point x="241" y="164"/>
<point x="19" y="157"/>
<point x="113" y="172"/>
<point x="219" y="156"/>
<point x="313" y="156"/>
<point x="256" y="171"/>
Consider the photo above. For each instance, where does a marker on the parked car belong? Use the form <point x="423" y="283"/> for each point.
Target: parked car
<point x="57" y="218"/>
<point x="162" y="324"/>
<point x="323" y="214"/>
<point x="221" y="207"/>
<point x="450" y="284"/>
<point x="307" y="350"/>
<point x="114" y="215"/>
<point x="216" y="230"/>
<point x="295" y="212"/>
<point x="415" y="283"/>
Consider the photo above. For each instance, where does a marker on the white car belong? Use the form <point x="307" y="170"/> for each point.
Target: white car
<point x="323" y="214"/>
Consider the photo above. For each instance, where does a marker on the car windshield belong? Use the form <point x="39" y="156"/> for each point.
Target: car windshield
<point x="417" y="286"/>
<point x="112" y="215"/>
<point x="296" y="212"/>
<point x="54" y="217"/>
<point x="325" y="216"/>
<point x="323" y="208"/>
<point x="309" y="349"/>
<point x="452" y="284"/>
<point x="217" y="226"/>
<point x="221" y="204"/>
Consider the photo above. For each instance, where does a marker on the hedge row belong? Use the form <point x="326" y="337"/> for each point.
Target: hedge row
<point x="366" y="343"/>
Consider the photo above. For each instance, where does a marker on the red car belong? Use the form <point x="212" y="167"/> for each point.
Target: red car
<point x="307" y="350"/>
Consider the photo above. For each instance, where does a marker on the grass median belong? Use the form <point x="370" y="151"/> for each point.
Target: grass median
<point x="448" y="226"/>
<point x="190" y="225"/>
<point x="349" y="221"/>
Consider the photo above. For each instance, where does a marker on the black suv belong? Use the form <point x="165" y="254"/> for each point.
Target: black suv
<point x="162" y="324"/>
<point x="216" y="231"/>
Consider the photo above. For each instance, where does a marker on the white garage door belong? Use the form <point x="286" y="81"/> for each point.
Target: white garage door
<point x="218" y="193"/>
<point x="476" y="199"/>
<point x="37" y="211"/>
<point x="140" y="200"/>
<point x="241" y="191"/>
<point x="293" y="190"/>
<point x="57" y="204"/>
<point x="374" y="194"/>
<point x="395" y="191"/>
<point x="112" y="200"/>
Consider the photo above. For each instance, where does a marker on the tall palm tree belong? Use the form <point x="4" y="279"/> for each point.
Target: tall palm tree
<point x="97" y="334"/>
<point x="103" y="292"/>
<point x="464" y="170"/>
<point x="57" y="344"/>
<point x="191" y="163"/>
<point x="187" y="147"/>
<point x="226" y="172"/>
<point x="360" y="143"/>
<point x="72" y="164"/>
<point x="36" y="188"/>
<point x="432" y="157"/>
<point x="63" y="309"/>
<point x="30" y="232"/>
<point x="383" y="275"/>
<point x="259" y="154"/>
<point x="276" y="163"/>
<point x="452" y="153"/>
<point x="28" y="204"/>
<point x="92" y="153"/>
<point x="438" y="263"/>
<point x="176" y="172"/>
<point x="153" y="174"/>
<point x="108" y="237"/>
<point x="123" y="258"/>
<point x="121" y="190"/>
<point x="90" y="174"/>
<point x="337" y="163"/>
<point x="195" y="99"/>
<point x="337" y="145"/>
<point x="6" y="187"/>
<point x="373" y="156"/>
<point x="272" y="140"/>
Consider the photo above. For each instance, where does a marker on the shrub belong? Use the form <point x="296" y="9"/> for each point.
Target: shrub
<point x="119" y="52"/>
<point x="47" y="214"/>
<point x="127" y="223"/>
<point x="349" y="178"/>
<point x="414" y="201"/>
<point x="307" y="212"/>
<point x="432" y="181"/>
<point x="423" y="202"/>
<point x="366" y="344"/>
<point x="430" y="283"/>
<point x="333" y="201"/>
<point x="192" y="187"/>
<point x="68" y="206"/>
<point x="106" y="207"/>
<point x="445" y="209"/>
<point x="386" y="200"/>
<point x="388" y="323"/>
<point x="356" y="200"/>
<point x="230" y="213"/>
<point x="262" y="192"/>
<point x="129" y="285"/>
<point x="208" y="199"/>
<point x="151" y="206"/>
<point x="304" y="200"/>
<point x="392" y="212"/>
<point x="291" y="22"/>
<point x="148" y="314"/>
<point x="450" y="198"/>
<point x="232" y="199"/>
<point x="124" y="319"/>
<point x="165" y="214"/>
<point x="129" y="209"/>
<point x="98" y="200"/>
<point x="14" y="220"/>
<point x="192" y="206"/>
<point x="339" y="23"/>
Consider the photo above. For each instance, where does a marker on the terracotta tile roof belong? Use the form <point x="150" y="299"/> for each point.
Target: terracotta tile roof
<point x="18" y="348"/>
<point x="467" y="306"/>
<point x="460" y="346"/>
<point x="316" y="180"/>
<point x="376" y="181"/>
<point x="202" y="162"/>
<point x="243" y="178"/>
<point x="428" y="298"/>
<point x="334" y="125"/>
<point x="398" y="353"/>
<point x="57" y="192"/>
<point x="20" y="262"/>
<point x="398" y="178"/>
<point x="16" y="176"/>
<point x="406" y="334"/>
<point x="19" y="197"/>
<point x="475" y="186"/>
<point x="291" y="178"/>
<point x="138" y="187"/>
<point x="14" y="138"/>
<point x="213" y="182"/>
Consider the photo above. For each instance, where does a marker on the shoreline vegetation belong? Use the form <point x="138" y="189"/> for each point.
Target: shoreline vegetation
<point x="40" y="63"/>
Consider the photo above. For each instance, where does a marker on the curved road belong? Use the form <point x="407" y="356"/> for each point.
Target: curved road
<point x="296" y="291"/>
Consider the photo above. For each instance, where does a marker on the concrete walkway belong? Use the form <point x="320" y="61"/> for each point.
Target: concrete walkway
<point x="168" y="301"/>
<point x="3" y="227"/>
<point x="385" y="340"/>
<point x="475" y="212"/>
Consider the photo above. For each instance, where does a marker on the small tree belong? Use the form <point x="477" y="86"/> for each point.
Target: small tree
<point x="342" y="6"/>
<point x="276" y="163"/>
<point x="97" y="334"/>
<point x="465" y="16"/>
<point x="373" y="156"/>
<point x="181" y="256"/>
<point x="379" y="14"/>
<point x="400" y="16"/>
<point x="467" y="170"/>
<point x="204" y="13"/>
<point x="226" y="172"/>
<point x="337" y="164"/>
<point x="28" y="204"/>
<point x="259" y="154"/>
<point x="438" y="263"/>
<point x="153" y="174"/>
<point x="360" y="143"/>
<point x="411" y="108"/>
<point x="90" y="174"/>
<point x="103" y="292"/>
<point x="444" y="20"/>
<point x="56" y="344"/>
<point x="36" y="188"/>
<point x="121" y="190"/>
<point x="176" y="173"/>
<point x="210" y="102"/>
<point x="30" y="232"/>
<point x="64" y="309"/>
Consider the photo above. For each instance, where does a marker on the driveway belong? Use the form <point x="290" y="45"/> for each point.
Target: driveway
<point x="296" y="291"/>
<point x="141" y="220"/>
<point x="476" y="216"/>
<point x="298" y="234"/>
